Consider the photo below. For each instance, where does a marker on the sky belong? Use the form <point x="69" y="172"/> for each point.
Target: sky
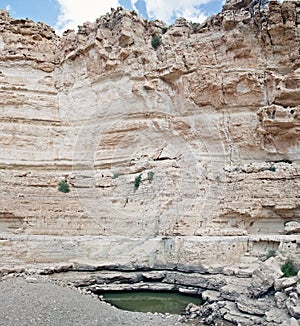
<point x="68" y="14"/>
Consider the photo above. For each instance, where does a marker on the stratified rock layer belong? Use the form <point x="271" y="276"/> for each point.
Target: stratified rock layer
<point x="209" y="121"/>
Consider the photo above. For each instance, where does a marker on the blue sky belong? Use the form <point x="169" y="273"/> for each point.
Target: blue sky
<point x="64" y="14"/>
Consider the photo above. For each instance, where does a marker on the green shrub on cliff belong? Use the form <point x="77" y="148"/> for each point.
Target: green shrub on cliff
<point x="137" y="182"/>
<point x="272" y="168"/>
<point x="156" y="41"/>
<point x="63" y="186"/>
<point x="164" y="29"/>
<point x="288" y="269"/>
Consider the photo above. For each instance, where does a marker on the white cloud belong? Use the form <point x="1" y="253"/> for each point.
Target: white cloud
<point x="165" y="10"/>
<point x="76" y="12"/>
<point x="195" y="16"/>
<point x="8" y="7"/>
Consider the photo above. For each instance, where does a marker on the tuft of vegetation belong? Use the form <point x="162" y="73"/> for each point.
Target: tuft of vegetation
<point x="164" y="29"/>
<point x="116" y="175"/>
<point x="156" y="41"/>
<point x="137" y="182"/>
<point x="150" y="176"/>
<point x="195" y="27"/>
<point x="271" y="253"/>
<point x="272" y="168"/>
<point x="63" y="186"/>
<point x="288" y="269"/>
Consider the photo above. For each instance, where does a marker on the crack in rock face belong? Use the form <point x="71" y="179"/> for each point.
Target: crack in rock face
<point x="110" y="155"/>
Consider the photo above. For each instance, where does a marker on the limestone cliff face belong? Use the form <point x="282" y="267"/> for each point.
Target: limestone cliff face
<point x="209" y="120"/>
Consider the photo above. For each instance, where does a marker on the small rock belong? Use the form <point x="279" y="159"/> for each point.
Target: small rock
<point x="276" y="316"/>
<point x="193" y="316"/>
<point x="194" y="309"/>
<point x="252" y="307"/>
<point x="293" y="310"/>
<point x="274" y="266"/>
<point x="149" y="87"/>
<point x="30" y="279"/>
<point x="191" y="306"/>
<point x="289" y="290"/>
<point x="293" y="295"/>
<point x="293" y="305"/>
<point x="292" y="227"/>
<point x="280" y="299"/>
<point x="229" y="292"/>
<point x="284" y="282"/>
<point x="211" y="295"/>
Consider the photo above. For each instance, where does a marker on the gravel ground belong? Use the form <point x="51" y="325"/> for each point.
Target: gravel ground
<point x="36" y="302"/>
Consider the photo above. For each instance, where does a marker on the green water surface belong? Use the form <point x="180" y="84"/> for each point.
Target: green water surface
<point x="146" y="301"/>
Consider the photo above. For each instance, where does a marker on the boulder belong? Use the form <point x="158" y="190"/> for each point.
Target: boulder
<point x="280" y="299"/>
<point x="285" y="282"/>
<point x="292" y="227"/>
<point x="252" y="307"/>
<point x="294" y="310"/>
<point x="264" y="276"/>
<point x="229" y="292"/>
<point x="211" y="296"/>
<point x="276" y="316"/>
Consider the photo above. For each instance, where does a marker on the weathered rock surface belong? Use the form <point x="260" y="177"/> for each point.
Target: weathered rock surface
<point x="264" y="278"/>
<point x="292" y="227"/>
<point x="209" y="121"/>
<point x="212" y="115"/>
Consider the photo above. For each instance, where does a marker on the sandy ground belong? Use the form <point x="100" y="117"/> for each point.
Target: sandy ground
<point x="33" y="301"/>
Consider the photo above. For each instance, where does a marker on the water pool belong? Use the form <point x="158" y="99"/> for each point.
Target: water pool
<point x="149" y="301"/>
